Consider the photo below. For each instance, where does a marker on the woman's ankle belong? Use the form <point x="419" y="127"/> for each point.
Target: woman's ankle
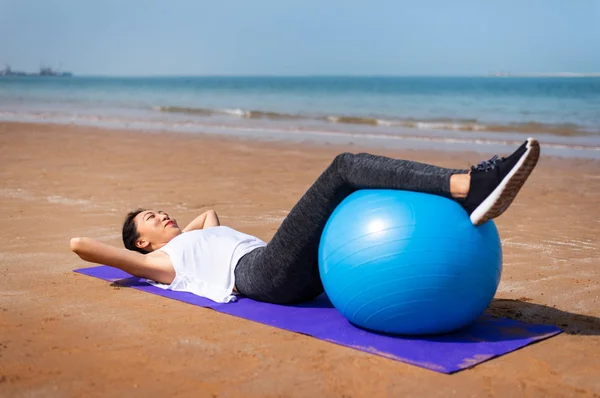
<point x="459" y="185"/>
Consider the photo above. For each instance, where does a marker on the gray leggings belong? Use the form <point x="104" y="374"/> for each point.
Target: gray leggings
<point x="286" y="270"/>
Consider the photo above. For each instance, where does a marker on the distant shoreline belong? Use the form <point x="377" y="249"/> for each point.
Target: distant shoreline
<point x="555" y="74"/>
<point x="44" y="71"/>
<point x="185" y="76"/>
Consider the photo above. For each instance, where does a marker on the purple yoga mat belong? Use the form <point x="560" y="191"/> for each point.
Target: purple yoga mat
<point x="487" y="338"/>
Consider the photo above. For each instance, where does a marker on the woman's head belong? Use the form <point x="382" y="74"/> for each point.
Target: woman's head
<point x="146" y="230"/>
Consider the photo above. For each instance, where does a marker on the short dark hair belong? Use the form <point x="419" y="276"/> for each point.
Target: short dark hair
<point x="130" y="232"/>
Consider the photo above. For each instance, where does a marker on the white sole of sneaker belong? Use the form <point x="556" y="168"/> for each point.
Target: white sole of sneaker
<point x="499" y="200"/>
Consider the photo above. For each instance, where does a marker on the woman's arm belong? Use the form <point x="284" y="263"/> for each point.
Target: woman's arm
<point x="134" y="263"/>
<point x="207" y="219"/>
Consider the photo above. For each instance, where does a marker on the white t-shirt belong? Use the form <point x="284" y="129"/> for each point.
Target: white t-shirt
<point x="205" y="260"/>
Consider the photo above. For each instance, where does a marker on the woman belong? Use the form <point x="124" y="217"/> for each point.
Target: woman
<point x="218" y="262"/>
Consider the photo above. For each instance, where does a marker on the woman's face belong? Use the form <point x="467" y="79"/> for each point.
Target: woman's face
<point x="156" y="229"/>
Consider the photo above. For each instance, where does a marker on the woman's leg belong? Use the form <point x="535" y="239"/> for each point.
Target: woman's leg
<point x="286" y="270"/>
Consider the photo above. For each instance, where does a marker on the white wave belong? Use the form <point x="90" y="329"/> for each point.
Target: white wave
<point x="195" y="126"/>
<point x="449" y="126"/>
<point x="236" y="112"/>
<point x="383" y="122"/>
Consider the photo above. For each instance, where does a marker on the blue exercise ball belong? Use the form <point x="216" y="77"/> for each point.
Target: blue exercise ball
<point x="408" y="263"/>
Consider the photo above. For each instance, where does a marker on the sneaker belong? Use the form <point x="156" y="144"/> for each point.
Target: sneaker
<point x="496" y="182"/>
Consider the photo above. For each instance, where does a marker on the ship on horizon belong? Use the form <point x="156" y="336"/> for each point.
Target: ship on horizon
<point x="44" y="71"/>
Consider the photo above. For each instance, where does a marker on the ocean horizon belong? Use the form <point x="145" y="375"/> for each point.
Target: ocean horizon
<point x="462" y="111"/>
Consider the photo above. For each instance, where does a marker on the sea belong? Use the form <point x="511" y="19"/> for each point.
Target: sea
<point x="486" y="114"/>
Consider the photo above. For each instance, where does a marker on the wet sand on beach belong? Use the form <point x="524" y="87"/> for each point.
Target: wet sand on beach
<point x="65" y="334"/>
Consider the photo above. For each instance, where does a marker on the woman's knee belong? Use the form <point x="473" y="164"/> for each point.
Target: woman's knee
<point x="347" y="156"/>
<point x="343" y="159"/>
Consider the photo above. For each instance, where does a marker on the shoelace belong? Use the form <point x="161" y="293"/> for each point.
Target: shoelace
<point x="486" y="165"/>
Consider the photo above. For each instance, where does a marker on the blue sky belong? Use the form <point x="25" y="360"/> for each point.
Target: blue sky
<point x="301" y="37"/>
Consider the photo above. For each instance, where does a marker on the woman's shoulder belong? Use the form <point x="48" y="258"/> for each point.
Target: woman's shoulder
<point x="210" y="230"/>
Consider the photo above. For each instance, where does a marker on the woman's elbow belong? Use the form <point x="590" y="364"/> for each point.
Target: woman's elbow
<point x="212" y="220"/>
<point x="76" y="244"/>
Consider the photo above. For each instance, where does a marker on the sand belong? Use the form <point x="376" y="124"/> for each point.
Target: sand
<point x="64" y="334"/>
